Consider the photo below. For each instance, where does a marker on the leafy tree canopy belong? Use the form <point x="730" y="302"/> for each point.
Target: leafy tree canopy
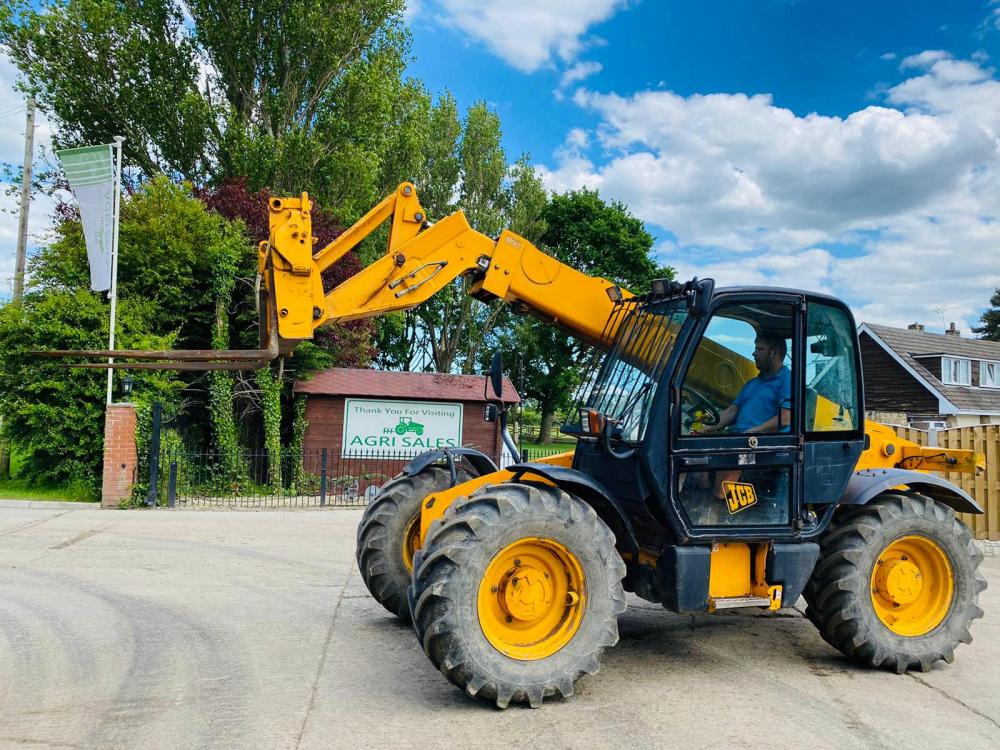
<point x="56" y="414"/>
<point x="292" y="95"/>
<point x="169" y="248"/>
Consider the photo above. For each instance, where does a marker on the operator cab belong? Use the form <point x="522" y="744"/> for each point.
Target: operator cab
<point x="710" y="404"/>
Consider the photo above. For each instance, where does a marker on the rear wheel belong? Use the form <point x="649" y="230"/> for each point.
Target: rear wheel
<point x="517" y="593"/>
<point x="389" y="534"/>
<point x="897" y="584"/>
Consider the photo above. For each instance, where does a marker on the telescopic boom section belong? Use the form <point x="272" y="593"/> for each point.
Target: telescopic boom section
<point x="420" y="259"/>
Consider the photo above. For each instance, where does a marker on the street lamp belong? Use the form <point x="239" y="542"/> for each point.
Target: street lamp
<point x="127" y="384"/>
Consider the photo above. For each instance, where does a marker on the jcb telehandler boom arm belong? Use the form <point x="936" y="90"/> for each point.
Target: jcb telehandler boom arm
<point x="420" y="259"/>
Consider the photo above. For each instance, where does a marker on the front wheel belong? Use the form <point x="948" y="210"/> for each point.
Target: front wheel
<point x="517" y="593"/>
<point x="897" y="584"/>
<point x="389" y="534"/>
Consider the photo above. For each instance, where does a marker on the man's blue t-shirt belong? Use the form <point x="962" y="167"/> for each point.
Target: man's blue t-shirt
<point x="760" y="399"/>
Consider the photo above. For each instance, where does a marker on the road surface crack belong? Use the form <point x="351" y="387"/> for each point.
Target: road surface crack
<point x="953" y="699"/>
<point x="322" y="661"/>
<point x="79" y="537"/>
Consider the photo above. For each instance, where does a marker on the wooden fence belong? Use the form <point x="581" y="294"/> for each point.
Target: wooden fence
<point x="985" y="488"/>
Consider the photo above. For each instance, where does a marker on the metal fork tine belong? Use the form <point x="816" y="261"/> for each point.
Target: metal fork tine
<point x="181" y="355"/>
<point x="188" y="366"/>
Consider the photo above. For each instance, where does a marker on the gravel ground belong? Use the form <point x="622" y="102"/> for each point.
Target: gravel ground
<point x="181" y="629"/>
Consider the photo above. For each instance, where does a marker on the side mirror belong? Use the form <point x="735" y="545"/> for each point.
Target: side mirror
<point x="700" y="297"/>
<point x="496" y="375"/>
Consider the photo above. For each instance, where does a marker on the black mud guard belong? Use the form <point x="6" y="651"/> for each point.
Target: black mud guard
<point x="588" y="490"/>
<point x="865" y="485"/>
<point x="482" y="463"/>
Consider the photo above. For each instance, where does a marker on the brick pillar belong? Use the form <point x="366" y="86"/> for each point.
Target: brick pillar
<point x="120" y="456"/>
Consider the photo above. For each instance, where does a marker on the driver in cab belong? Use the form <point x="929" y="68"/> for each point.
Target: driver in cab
<point x="764" y="403"/>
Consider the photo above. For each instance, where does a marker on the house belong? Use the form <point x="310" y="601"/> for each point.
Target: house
<point x="929" y="379"/>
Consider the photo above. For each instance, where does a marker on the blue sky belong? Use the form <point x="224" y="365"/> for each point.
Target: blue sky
<point x="847" y="147"/>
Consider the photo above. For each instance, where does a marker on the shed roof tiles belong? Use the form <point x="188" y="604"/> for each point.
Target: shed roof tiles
<point x="432" y="386"/>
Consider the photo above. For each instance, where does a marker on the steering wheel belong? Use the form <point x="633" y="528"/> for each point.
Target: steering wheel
<point x="697" y="400"/>
<point x="608" y="438"/>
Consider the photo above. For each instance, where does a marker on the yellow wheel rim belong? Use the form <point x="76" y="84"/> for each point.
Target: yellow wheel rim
<point x="411" y="541"/>
<point x="912" y="586"/>
<point x="532" y="599"/>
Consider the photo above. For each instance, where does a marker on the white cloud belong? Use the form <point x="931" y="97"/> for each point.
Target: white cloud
<point x="923" y="59"/>
<point x="896" y="208"/>
<point x="528" y="34"/>
<point x="887" y="56"/>
<point x="579" y="72"/>
<point x="575" y="74"/>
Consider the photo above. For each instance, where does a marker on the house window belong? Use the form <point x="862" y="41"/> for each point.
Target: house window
<point x="956" y="371"/>
<point x="989" y="374"/>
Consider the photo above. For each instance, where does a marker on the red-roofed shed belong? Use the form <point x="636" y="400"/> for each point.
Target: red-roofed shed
<point x="391" y="414"/>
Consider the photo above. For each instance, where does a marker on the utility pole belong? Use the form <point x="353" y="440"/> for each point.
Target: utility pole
<point x="22" y="243"/>
<point x="22" y="224"/>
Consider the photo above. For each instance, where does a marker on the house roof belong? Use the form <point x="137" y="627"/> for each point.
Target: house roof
<point x="433" y="386"/>
<point x="908" y="346"/>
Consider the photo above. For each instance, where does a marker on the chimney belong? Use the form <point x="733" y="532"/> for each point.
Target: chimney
<point x="952" y="331"/>
<point x="915" y="327"/>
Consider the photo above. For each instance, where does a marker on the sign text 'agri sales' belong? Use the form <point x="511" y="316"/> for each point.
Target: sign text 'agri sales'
<point x="387" y="427"/>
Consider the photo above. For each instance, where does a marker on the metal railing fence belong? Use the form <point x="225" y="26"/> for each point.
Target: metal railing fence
<point x="256" y="479"/>
<point x="184" y="478"/>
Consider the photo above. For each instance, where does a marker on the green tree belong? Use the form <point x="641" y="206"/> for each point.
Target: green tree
<point x="528" y="201"/>
<point x="100" y="68"/>
<point x="170" y="251"/>
<point x="990" y="328"/>
<point x="438" y="177"/>
<point x="55" y="414"/>
<point x="600" y="239"/>
<point x="455" y="325"/>
<point x="177" y="267"/>
<point x="302" y="95"/>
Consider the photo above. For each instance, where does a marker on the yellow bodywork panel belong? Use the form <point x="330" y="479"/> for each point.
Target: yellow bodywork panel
<point x="730" y="573"/>
<point x="888" y="450"/>
<point x="435" y="505"/>
<point x="738" y="570"/>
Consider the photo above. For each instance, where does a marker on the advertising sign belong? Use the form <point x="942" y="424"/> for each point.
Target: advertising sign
<point x="383" y="428"/>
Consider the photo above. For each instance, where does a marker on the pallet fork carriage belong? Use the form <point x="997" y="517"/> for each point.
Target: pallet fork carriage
<point x="514" y="578"/>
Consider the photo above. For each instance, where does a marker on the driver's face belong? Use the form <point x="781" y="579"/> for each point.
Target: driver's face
<point x="762" y="355"/>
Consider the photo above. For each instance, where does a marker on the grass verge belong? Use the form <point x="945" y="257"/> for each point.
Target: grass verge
<point x="23" y="489"/>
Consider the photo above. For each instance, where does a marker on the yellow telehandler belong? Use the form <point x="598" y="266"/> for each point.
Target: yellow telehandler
<point x="722" y="460"/>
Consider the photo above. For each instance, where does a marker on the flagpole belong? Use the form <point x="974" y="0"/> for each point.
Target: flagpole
<point x="114" y="260"/>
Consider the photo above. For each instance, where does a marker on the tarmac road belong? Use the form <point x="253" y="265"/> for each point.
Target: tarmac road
<point x="192" y="629"/>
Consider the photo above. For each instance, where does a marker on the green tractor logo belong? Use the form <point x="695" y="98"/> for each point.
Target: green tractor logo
<point x="406" y="424"/>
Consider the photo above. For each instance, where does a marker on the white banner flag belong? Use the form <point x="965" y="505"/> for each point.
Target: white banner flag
<point x="91" y="174"/>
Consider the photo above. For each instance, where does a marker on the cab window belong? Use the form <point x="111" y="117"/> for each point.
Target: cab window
<point x="740" y="378"/>
<point x="831" y="374"/>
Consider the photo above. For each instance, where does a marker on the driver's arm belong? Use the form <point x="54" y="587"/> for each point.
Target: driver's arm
<point x="773" y="424"/>
<point x="725" y="419"/>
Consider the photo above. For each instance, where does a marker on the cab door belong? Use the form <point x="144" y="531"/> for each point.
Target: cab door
<point x="736" y="455"/>
<point x="834" y="418"/>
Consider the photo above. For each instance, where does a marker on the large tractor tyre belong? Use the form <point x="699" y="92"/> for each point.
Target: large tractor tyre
<point x="517" y="593"/>
<point x="389" y="534"/>
<point x="897" y="584"/>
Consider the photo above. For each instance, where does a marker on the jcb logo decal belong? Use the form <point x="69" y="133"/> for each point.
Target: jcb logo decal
<point x="739" y="496"/>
